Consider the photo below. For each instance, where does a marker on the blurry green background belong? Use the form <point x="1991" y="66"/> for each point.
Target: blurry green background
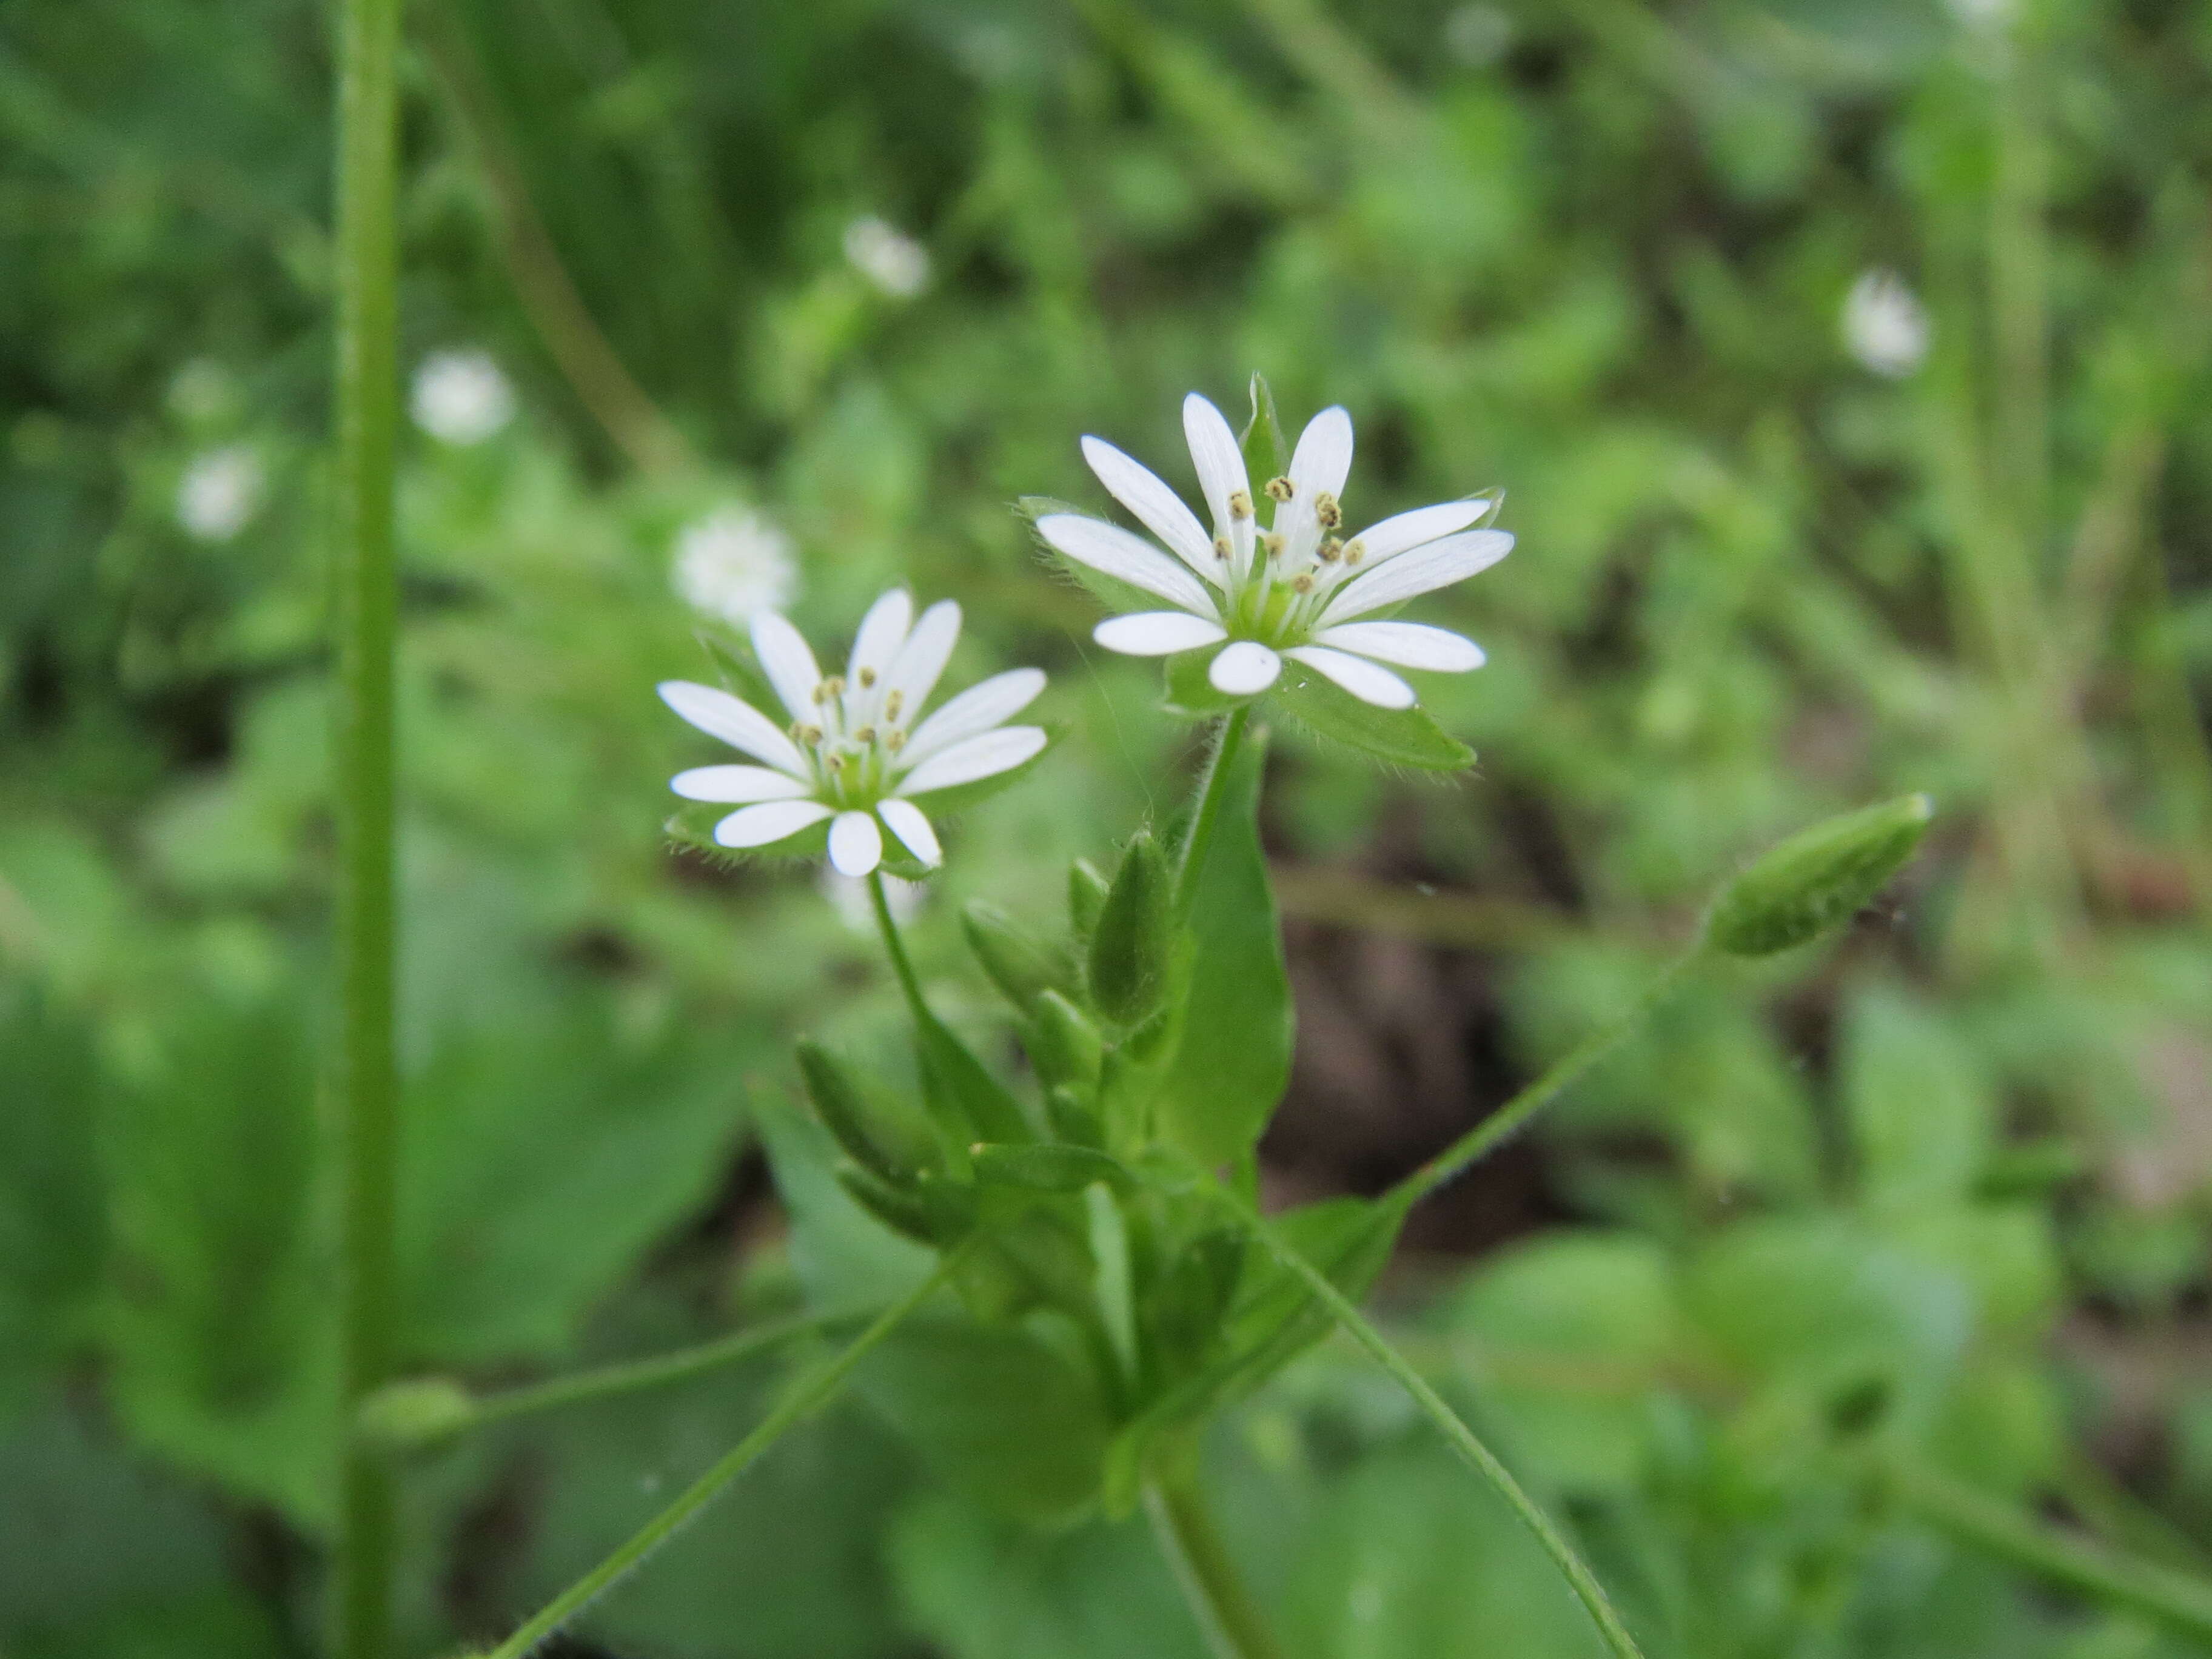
<point x="1846" y="367"/>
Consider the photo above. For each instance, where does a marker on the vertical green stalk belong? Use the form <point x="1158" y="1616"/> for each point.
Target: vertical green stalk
<point x="1218" y="767"/>
<point x="894" y="947"/>
<point x="366" y="416"/>
<point x="1226" y="1614"/>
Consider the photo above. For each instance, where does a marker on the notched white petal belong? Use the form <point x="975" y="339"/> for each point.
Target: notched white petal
<point x="1370" y="682"/>
<point x="1126" y="558"/>
<point x="1244" y="669"/>
<point x="771" y="822"/>
<point x="734" y="784"/>
<point x="978" y="708"/>
<point x="912" y="826"/>
<point x="1157" y="633"/>
<point x="741" y="724"/>
<point x="1410" y="645"/>
<point x="1439" y="564"/>
<point x="856" y="846"/>
<point x="973" y="758"/>
<point x="789" y="663"/>
<point x="1157" y="506"/>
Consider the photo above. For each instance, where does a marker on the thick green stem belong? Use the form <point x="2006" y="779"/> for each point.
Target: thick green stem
<point x="1231" y="1620"/>
<point x="365" y="613"/>
<point x="1462" y="1439"/>
<point x="2174" y="1599"/>
<point x="607" y="1381"/>
<point x="1478" y="1142"/>
<point x="895" y="948"/>
<point x="806" y="1397"/>
<point x="1192" y="860"/>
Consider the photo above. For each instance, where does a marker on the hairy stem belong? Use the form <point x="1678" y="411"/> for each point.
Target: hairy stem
<point x="2174" y="1599"/>
<point x="806" y="1397"/>
<point x="365" y="620"/>
<point x="1480" y="1141"/>
<point x="1229" y="1619"/>
<point x="628" y="1377"/>
<point x="1462" y="1439"/>
<point x="894" y="947"/>
<point x="1192" y="860"/>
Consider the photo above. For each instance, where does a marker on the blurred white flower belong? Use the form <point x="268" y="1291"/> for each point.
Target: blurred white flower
<point x="887" y="257"/>
<point x="220" y="493"/>
<point x="461" y="396"/>
<point x="1990" y="15"/>
<point x="1478" y="34"/>
<point x="849" y="899"/>
<point x="734" y="564"/>
<point x="1885" y="325"/>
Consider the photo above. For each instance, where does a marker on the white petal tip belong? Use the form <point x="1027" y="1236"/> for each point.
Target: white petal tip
<point x="1244" y="668"/>
<point x="856" y="846"/>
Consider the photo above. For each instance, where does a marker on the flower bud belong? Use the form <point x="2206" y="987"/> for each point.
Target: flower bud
<point x="845" y="1113"/>
<point x="1129" y="949"/>
<point x="1064" y="1045"/>
<point x="1817" y="878"/>
<point x="1047" y="1169"/>
<point x="1086" y="897"/>
<point x="418" y="1411"/>
<point x="1021" y="967"/>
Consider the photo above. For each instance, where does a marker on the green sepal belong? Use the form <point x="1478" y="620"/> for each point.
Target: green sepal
<point x="853" y="1121"/>
<point x="1183" y="1313"/>
<point x="1129" y="949"/>
<point x="1399" y="737"/>
<point x="1065" y="1046"/>
<point x="968" y="1100"/>
<point x="903" y="1213"/>
<point x="1074" y="1119"/>
<point x="1266" y="455"/>
<point x="740" y="675"/>
<point x="1048" y="1168"/>
<point x="1022" y="968"/>
<point x="1187" y="693"/>
<point x="1086" y="897"/>
<point x="1818" y="880"/>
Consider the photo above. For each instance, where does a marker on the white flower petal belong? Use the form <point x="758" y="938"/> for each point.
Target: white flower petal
<point x="1369" y="682"/>
<point x="1322" y="460"/>
<point x="1126" y="558"/>
<point x="1423" y="525"/>
<point x="911" y="825"/>
<point x="978" y="708"/>
<point x="733" y="784"/>
<point x="883" y="631"/>
<point x="1439" y="564"/>
<point x="1220" y="462"/>
<point x="772" y="821"/>
<point x="1157" y="633"/>
<point x="787" y="662"/>
<point x="1158" y="508"/>
<point x="913" y="673"/>
<point x="1410" y="645"/>
<point x="741" y="724"/>
<point x="1244" y="668"/>
<point x="856" y="846"/>
<point x="974" y="757"/>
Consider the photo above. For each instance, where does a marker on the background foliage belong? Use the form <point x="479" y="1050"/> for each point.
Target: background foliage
<point x="1940" y="1193"/>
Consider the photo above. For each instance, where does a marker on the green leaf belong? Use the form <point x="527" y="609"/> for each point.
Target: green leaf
<point x="1922" y="1112"/>
<point x="1022" y="968"/>
<point x="53" y="1219"/>
<point x="1401" y="737"/>
<point x="1817" y="880"/>
<point x="871" y="1136"/>
<point x="1087" y="898"/>
<point x="968" y="1101"/>
<point x="1064" y="1045"/>
<point x="1233" y="1061"/>
<point x="1130" y="948"/>
<point x="845" y="1257"/>
<point x="995" y="1412"/>
<point x="1048" y="1169"/>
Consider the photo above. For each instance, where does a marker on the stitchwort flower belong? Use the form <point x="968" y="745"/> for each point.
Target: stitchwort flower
<point x="1300" y="587"/>
<point x="855" y="754"/>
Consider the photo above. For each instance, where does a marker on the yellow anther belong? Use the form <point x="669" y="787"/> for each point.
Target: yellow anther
<point x="1331" y="549"/>
<point x="1302" y="582"/>
<point x="809" y="735"/>
<point x="1221" y="547"/>
<point x="1240" y="504"/>
<point x="867" y="678"/>
<point x="893" y="703"/>
<point x="895" y="742"/>
<point x="1327" y="510"/>
<point x="822" y="692"/>
<point x="836" y="763"/>
<point x="865" y="734"/>
<point x="1354" y="552"/>
<point x="1280" y="489"/>
<point x="1272" y="541"/>
<point x="834" y="685"/>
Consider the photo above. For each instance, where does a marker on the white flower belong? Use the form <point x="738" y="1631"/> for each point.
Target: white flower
<point x="1885" y="327"/>
<point x="887" y="257"/>
<point x="735" y="563"/>
<point x="460" y="397"/>
<point x="1296" y="589"/>
<point x="853" y="754"/>
<point x="220" y="493"/>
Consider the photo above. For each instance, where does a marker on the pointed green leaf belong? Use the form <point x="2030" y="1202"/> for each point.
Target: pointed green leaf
<point x="1129" y="952"/>
<point x="1266" y="455"/>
